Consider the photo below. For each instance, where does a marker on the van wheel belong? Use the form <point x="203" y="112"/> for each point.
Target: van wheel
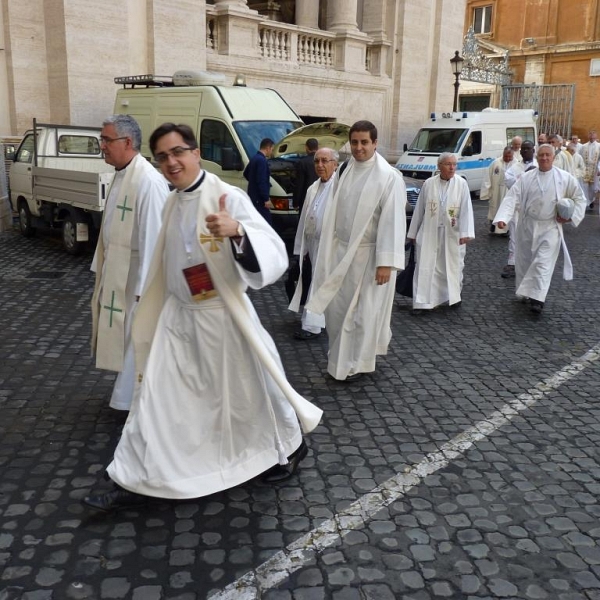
<point x="25" y="226"/>
<point x="69" y="236"/>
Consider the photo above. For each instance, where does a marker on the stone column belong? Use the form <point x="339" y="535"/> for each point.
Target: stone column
<point x="237" y="28"/>
<point x="307" y="13"/>
<point x="235" y="4"/>
<point x="375" y="17"/>
<point x="341" y="15"/>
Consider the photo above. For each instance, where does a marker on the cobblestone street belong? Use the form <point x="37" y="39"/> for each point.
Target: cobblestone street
<point x="466" y="467"/>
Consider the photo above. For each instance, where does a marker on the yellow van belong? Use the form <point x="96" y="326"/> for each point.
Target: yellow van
<point x="229" y="122"/>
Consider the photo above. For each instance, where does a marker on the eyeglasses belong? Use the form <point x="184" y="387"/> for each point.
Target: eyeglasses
<point x="323" y="160"/>
<point x="449" y="164"/>
<point x="163" y="157"/>
<point x="107" y="140"/>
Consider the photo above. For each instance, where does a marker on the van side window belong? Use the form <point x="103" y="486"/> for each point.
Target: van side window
<point x="473" y="145"/>
<point x="526" y="133"/>
<point x="214" y="137"/>
<point x="25" y="153"/>
<point x="78" y="144"/>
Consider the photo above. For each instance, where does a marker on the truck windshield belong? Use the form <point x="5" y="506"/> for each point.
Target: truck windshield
<point x="252" y="132"/>
<point x="438" y="140"/>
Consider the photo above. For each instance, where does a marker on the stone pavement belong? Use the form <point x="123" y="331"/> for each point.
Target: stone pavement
<point x="513" y="513"/>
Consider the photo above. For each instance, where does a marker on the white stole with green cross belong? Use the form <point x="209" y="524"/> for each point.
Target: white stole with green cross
<point x="109" y="301"/>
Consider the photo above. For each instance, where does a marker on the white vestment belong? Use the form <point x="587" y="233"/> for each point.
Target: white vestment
<point x="307" y="239"/>
<point x="442" y="216"/>
<point x="364" y="227"/>
<point x="579" y="166"/>
<point x="539" y="235"/>
<point x="563" y="160"/>
<point x="590" y="153"/>
<point x="123" y="254"/>
<point x="494" y="187"/>
<point x="510" y="178"/>
<point x="214" y="408"/>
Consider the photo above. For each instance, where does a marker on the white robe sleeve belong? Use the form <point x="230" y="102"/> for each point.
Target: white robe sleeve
<point x="267" y="245"/>
<point x="152" y="196"/>
<point x="573" y="190"/>
<point x="466" y="221"/>
<point x="510" y="204"/>
<point x="419" y="211"/>
<point x="486" y="187"/>
<point x="391" y="228"/>
<point x="510" y="178"/>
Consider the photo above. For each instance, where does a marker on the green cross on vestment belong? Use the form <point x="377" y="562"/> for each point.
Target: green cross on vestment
<point x="112" y="309"/>
<point x="123" y="208"/>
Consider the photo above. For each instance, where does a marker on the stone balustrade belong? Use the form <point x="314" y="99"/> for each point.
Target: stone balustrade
<point x="285" y="43"/>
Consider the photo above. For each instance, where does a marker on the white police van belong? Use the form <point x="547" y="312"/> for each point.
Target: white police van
<point x="475" y="138"/>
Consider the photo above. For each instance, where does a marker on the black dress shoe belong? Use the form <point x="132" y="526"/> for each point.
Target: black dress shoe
<point x="535" y="306"/>
<point x="282" y="472"/>
<point x="352" y="378"/>
<point x="302" y="334"/>
<point x="115" y="499"/>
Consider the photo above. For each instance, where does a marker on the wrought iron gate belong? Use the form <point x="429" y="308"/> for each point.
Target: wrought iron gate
<point x="553" y="102"/>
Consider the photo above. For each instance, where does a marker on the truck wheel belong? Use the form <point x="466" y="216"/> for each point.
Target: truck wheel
<point x="69" y="236"/>
<point x="25" y="220"/>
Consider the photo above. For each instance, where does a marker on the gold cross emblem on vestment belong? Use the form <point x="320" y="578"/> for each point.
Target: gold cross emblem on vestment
<point x="213" y="241"/>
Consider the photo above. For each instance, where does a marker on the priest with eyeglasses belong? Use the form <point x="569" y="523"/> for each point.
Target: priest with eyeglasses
<point x="213" y="407"/>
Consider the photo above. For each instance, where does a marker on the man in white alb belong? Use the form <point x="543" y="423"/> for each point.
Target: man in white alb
<point x="515" y="144"/>
<point x="562" y="159"/>
<point x="361" y="248"/>
<point x="494" y="187"/>
<point x="539" y="234"/>
<point x="130" y="226"/>
<point x="214" y="407"/>
<point x="308" y="234"/>
<point x="511" y="176"/>
<point x="441" y="226"/>
<point x="591" y="156"/>
<point x="578" y="163"/>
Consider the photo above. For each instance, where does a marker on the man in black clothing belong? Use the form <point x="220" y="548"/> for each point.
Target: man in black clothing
<point x="305" y="172"/>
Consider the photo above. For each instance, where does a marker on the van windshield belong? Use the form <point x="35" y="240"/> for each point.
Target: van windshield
<point x="252" y="132"/>
<point x="438" y="140"/>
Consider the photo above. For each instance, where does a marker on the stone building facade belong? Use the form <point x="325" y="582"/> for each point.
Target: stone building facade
<point x="343" y="60"/>
<point x="549" y="42"/>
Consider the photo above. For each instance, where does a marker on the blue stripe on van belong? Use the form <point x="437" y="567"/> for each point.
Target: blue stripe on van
<point x="417" y="167"/>
<point x="474" y="164"/>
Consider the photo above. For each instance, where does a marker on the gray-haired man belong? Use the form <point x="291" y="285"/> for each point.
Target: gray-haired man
<point x="130" y="225"/>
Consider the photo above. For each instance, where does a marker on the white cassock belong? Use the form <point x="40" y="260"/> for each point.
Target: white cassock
<point x="590" y="153"/>
<point x="563" y="160"/>
<point x="494" y="186"/>
<point x="442" y="216"/>
<point x="307" y="239"/>
<point x="145" y="190"/>
<point x="214" y="408"/>
<point x="510" y="178"/>
<point x="539" y="235"/>
<point x="579" y="168"/>
<point x="364" y="227"/>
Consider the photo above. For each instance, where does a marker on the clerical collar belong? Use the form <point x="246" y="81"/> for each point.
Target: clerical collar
<point x="197" y="183"/>
<point x="123" y="168"/>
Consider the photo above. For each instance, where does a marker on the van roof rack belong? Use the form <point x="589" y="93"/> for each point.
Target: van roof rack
<point x="148" y="80"/>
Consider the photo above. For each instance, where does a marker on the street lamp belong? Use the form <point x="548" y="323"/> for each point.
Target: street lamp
<point x="457" y="64"/>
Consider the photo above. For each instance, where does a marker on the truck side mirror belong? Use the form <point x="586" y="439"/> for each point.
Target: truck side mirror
<point x="405" y="147"/>
<point x="468" y="151"/>
<point x="11" y="155"/>
<point x="230" y="160"/>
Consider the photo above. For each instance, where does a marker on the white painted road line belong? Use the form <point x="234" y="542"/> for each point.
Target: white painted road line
<point x="303" y="551"/>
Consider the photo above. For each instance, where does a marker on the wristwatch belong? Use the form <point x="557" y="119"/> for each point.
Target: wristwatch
<point x="240" y="230"/>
